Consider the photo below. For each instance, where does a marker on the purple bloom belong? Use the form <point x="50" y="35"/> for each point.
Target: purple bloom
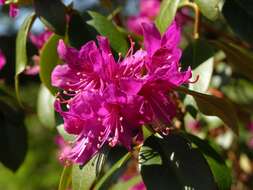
<point x="106" y="101"/>
<point x="13" y="12"/>
<point x="2" y="60"/>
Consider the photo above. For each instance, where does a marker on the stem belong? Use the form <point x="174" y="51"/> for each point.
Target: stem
<point x="195" y="8"/>
<point x="115" y="167"/>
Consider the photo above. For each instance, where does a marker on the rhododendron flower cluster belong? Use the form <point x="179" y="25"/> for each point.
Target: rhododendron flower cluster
<point x="13" y="12"/>
<point x="105" y="102"/>
<point x="2" y="60"/>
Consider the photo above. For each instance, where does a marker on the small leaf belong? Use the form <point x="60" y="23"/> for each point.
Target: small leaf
<point x="240" y="17"/>
<point x="129" y="184"/>
<point x="209" y="8"/>
<point x="65" y="181"/>
<point x="45" y="107"/>
<point x="21" y="52"/>
<point x="174" y="159"/>
<point x="83" y="178"/>
<point x="52" y="14"/>
<point x="214" y="106"/>
<point x="48" y="60"/>
<point x="108" y="29"/>
<point x="240" y="59"/>
<point x="220" y="171"/>
<point x="167" y="14"/>
<point x="13" y="134"/>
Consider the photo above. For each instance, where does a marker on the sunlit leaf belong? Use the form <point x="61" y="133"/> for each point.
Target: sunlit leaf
<point x="106" y="28"/>
<point x="209" y="8"/>
<point x="167" y="14"/>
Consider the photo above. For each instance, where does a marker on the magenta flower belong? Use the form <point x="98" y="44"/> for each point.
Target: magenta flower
<point x="64" y="149"/>
<point x="2" y="60"/>
<point x="104" y="102"/>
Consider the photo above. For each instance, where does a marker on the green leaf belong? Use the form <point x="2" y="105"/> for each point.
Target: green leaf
<point x="13" y="134"/>
<point x="240" y="17"/>
<point x="83" y="178"/>
<point x="176" y="163"/>
<point x="220" y="171"/>
<point x="196" y="53"/>
<point x="78" y="30"/>
<point x="214" y="106"/>
<point x="126" y="185"/>
<point x="45" y="107"/>
<point x="66" y="136"/>
<point x="65" y="181"/>
<point x="21" y="51"/>
<point x="204" y="73"/>
<point x="209" y="8"/>
<point x="52" y="14"/>
<point x="240" y="59"/>
<point x="167" y="14"/>
<point x="111" y="171"/>
<point x="48" y="60"/>
<point x="108" y="29"/>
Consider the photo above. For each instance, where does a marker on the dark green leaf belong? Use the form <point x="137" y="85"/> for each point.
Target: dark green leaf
<point x="126" y="185"/>
<point x="83" y="178"/>
<point x="21" y="52"/>
<point x="65" y="181"/>
<point x="241" y="60"/>
<point x="52" y="13"/>
<point x="13" y="135"/>
<point x="196" y="53"/>
<point x="48" y="60"/>
<point x="108" y="29"/>
<point x="176" y="163"/>
<point x="240" y="18"/>
<point x="209" y="8"/>
<point x="78" y="31"/>
<point x="167" y="14"/>
<point x="45" y="107"/>
<point x="220" y="171"/>
<point x="214" y="106"/>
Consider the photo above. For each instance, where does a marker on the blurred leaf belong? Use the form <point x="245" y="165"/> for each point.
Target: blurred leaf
<point x="240" y="18"/>
<point x="220" y="171"/>
<point x="24" y="2"/>
<point x="78" y="31"/>
<point x="66" y="136"/>
<point x="176" y="163"/>
<point x="240" y="59"/>
<point x="209" y="8"/>
<point x="111" y="171"/>
<point x="65" y="181"/>
<point x="108" y="29"/>
<point x="196" y="53"/>
<point x="83" y="178"/>
<point x="204" y="71"/>
<point x="167" y="14"/>
<point x="214" y="106"/>
<point x="52" y="14"/>
<point x="13" y="135"/>
<point x="45" y="107"/>
<point x="48" y="60"/>
<point x="21" y="52"/>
